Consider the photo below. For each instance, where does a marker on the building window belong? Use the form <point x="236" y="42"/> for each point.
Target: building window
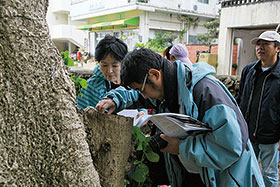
<point x="130" y="37"/>
<point x="117" y="34"/>
<point x="101" y="35"/>
<point x="193" y="40"/>
<point x="203" y="1"/>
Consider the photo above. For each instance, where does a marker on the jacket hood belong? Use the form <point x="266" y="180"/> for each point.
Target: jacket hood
<point x="198" y="71"/>
<point x="201" y="70"/>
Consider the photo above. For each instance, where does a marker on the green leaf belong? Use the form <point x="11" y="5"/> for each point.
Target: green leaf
<point x="66" y="54"/>
<point x="140" y="173"/>
<point x="143" y="168"/>
<point x="139" y="147"/>
<point x="137" y="135"/>
<point x="140" y="137"/>
<point x="138" y="177"/>
<point x="137" y="130"/>
<point x="136" y="162"/>
<point x="83" y="83"/>
<point x="70" y="61"/>
<point x="73" y="78"/>
<point x="126" y="182"/>
<point x="152" y="156"/>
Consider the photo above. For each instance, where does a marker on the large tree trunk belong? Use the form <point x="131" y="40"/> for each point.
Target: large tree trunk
<point x="42" y="138"/>
<point x="109" y="139"/>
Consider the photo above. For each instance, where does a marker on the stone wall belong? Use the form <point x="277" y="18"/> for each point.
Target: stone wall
<point x="231" y="82"/>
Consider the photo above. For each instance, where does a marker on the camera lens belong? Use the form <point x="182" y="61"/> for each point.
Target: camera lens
<point x="157" y="143"/>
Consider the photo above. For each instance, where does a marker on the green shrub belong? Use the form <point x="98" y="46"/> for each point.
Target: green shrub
<point x="67" y="60"/>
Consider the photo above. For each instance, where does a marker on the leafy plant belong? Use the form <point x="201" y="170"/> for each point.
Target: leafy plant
<point x="160" y="42"/>
<point x="212" y="33"/>
<point x="79" y="84"/>
<point x="78" y="81"/>
<point x="141" y="172"/>
<point x="139" y="45"/>
<point x="181" y="35"/>
<point x="190" y="21"/>
<point x="234" y="65"/>
<point x="67" y="60"/>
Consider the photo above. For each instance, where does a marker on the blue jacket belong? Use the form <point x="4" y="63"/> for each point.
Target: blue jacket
<point x="266" y="129"/>
<point x="223" y="157"/>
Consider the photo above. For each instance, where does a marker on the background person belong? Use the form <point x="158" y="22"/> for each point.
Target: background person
<point x="223" y="157"/>
<point x="166" y="52"/>
<point x="180" y="52"/>
<point x="259" y="101"/>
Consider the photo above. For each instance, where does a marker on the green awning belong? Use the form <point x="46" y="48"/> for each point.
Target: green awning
<point x="101" y="26"/>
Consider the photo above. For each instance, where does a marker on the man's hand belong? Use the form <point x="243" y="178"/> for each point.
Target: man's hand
<point x="106" y="105"/>
<point x="173" y="145"/>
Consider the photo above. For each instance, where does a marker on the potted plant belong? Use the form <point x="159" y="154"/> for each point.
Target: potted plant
<point x="234" y="67"/>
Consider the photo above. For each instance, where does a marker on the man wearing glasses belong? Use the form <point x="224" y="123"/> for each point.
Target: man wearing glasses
<point x="223" y="157"/>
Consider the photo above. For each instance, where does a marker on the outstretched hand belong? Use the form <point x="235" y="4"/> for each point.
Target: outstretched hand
<point x="173" y="145"/>
<point x="106" y="105"/>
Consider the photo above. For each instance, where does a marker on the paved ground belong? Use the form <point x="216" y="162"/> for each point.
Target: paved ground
<point x="85" y="69"/>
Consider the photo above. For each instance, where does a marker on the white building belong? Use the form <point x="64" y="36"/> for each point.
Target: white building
<point x="135" y="21"/>
<point x="244" y="19"/>
<point x="62" y="29"/>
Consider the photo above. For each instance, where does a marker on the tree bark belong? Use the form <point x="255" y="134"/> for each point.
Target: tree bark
<point x="42" y="137"/>
<point x="109" y="139"/>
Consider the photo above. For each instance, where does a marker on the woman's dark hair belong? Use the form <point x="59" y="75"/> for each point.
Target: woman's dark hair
<point x="110" y="45"/>
<point x="137" y="63"/>
<point x="166" y="52"/>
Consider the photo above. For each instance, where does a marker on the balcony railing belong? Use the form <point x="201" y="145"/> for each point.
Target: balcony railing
<point x="229" y="3"/>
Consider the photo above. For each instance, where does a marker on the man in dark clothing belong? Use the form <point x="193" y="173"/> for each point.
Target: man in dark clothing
<point x="259" y="101"/>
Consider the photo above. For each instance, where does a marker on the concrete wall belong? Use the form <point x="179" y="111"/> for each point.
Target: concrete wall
<point x="246" y="52"/>
<point x="62" y="30"/>
<point x="235" y="20"/>
<point x="93" y="8"/>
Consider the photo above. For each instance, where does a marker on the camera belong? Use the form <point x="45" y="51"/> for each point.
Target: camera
<point x="157" y="143"/>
